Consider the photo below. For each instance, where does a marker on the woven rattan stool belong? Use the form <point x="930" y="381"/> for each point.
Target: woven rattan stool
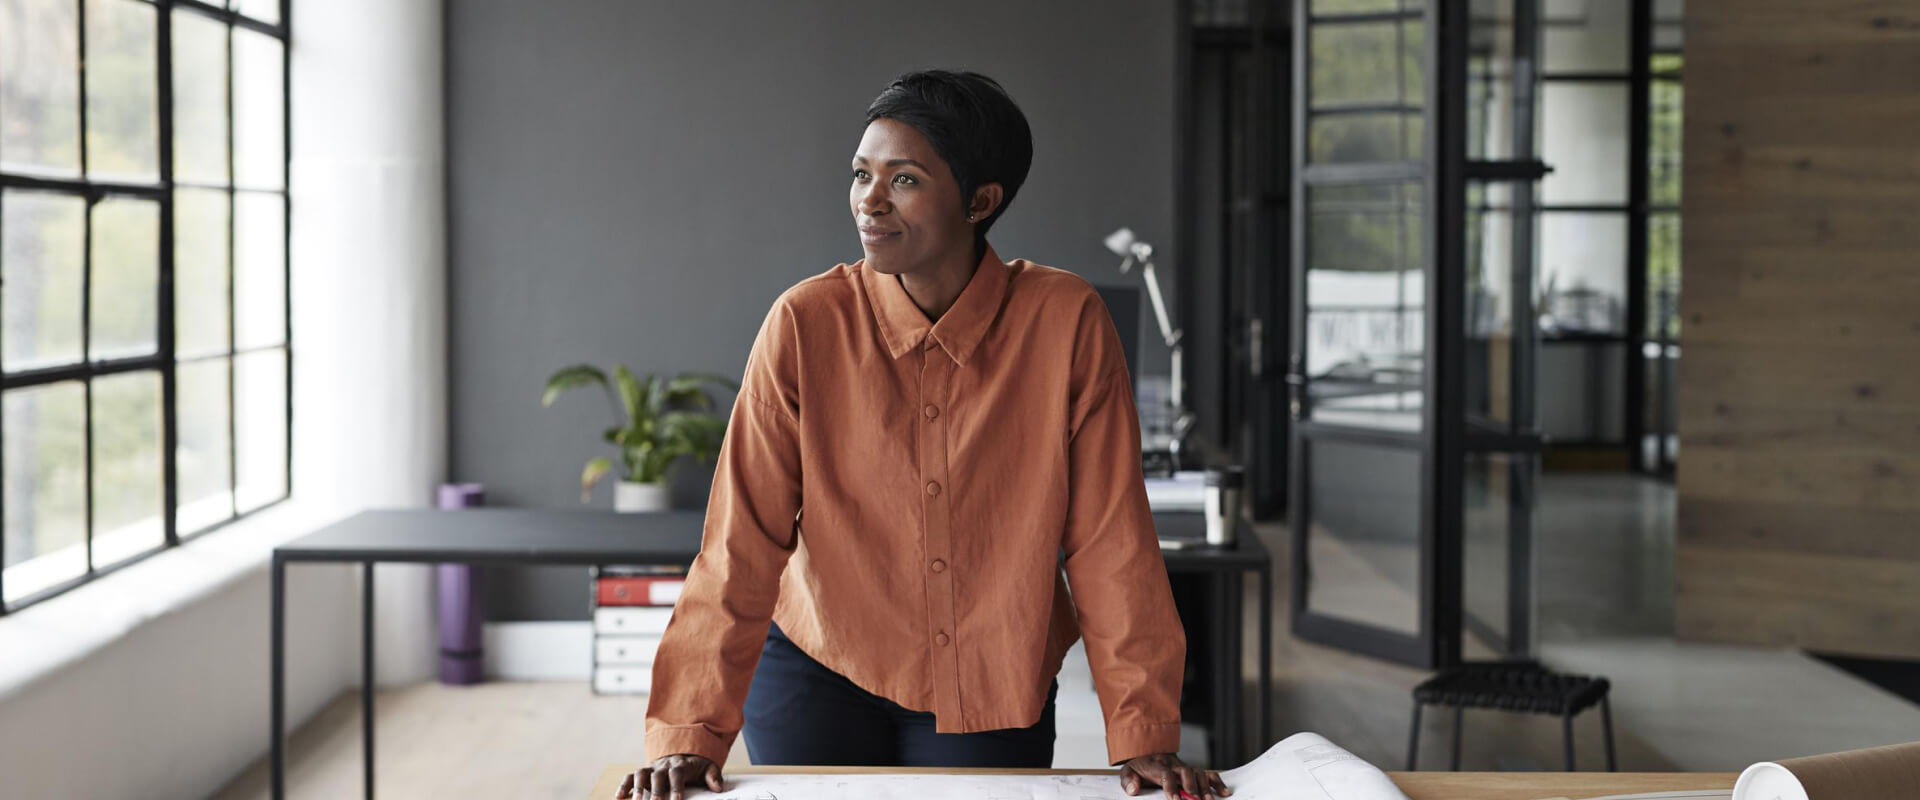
<point x="1522" y="686"/>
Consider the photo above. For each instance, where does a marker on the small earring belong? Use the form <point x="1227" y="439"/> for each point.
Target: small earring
<point x="969" y="217"/>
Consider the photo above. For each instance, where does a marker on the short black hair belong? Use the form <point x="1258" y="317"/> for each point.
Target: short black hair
<point x="974" y="126"/>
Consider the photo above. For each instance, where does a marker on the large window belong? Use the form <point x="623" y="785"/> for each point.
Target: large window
<point x="1606" y="223"/>
<point x="143" y="279"/>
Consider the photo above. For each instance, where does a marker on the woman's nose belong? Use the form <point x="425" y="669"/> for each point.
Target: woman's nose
<point x="872" y="199"/>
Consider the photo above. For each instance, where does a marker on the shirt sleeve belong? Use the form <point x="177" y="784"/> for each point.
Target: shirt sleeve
<point x="712" y="642"/>
<point x="1134" y="641"/>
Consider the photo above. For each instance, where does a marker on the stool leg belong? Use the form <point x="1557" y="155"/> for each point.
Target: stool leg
<point x="1566" y="728"/>
<point x="1456" y="737"/>
<point x="1413" y="740"/>
<point x="1606" y="724"/>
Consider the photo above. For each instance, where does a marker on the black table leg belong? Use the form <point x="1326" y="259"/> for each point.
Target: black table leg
<point x="1219" y="751"/>
<point x="1235" y="647"/>
<point x="277" y="603"/>
<point x="366" y="673"/>
<point x="1263" y="724"/>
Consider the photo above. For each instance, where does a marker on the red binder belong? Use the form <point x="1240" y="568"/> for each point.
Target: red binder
<point x="638" y="591"/>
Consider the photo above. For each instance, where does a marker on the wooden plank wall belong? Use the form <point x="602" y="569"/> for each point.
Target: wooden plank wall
<point x="1799" y="385"/>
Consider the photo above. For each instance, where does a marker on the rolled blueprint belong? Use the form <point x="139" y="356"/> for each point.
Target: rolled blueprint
<point x="1881" y="773"/>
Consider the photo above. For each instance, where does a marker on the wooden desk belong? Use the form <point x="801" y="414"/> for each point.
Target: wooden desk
<point x="1417" y="785"/>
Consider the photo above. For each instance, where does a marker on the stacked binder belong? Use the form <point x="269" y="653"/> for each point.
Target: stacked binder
<point x="631" y="606"/>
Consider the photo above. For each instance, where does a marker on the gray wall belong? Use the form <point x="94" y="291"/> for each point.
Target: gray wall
<point x="636" y="182"/>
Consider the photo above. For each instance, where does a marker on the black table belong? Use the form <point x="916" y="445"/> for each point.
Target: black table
<point x="519" y="537"/>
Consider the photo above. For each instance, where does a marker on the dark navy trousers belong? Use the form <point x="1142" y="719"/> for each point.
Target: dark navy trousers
<point x="799" y="712"/>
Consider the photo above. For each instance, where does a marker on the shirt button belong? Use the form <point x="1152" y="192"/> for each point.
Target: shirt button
<point x="933" y="487"/>
<point x="939" y="566"/>
<point x="931" y="343"/>
<point x="940" y="639"/>
<point x="932" y="411"/>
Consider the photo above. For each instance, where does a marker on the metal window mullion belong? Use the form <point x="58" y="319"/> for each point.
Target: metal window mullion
<point x="286" y="228"/>
<point x="1524" y="350"/>
<point x="233" y="270"/>
<point x="86" y="272"/>
<point x="78" y="371"/>
<point x="169" y="400"/>
<point x="1401" y="15"/>
<point x="78" y="185"/>
<point x="1639" y="132"/>
<point x="233" y="18"/>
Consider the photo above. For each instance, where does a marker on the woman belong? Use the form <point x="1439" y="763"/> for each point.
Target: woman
<point x="960" y="428"/>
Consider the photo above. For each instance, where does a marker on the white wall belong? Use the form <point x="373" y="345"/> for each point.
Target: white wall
<point x="171" y="703"/>
<point x="152" y="682"/>
<point x="369" y="285"/>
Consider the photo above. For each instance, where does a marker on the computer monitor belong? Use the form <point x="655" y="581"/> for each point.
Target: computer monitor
<point x="1123" y="303"/>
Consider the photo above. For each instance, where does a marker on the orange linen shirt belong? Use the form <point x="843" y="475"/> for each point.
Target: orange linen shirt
<point x="941" y="469"/>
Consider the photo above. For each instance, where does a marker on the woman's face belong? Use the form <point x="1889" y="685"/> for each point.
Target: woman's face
<point x="906" y="204"/>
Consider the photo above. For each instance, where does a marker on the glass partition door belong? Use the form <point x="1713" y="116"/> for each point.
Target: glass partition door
<point x="1414" y="447"/>
<point x="1360" y="376"/>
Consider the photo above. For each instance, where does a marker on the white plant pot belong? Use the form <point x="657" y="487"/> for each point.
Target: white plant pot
<point x="632" y="497"/>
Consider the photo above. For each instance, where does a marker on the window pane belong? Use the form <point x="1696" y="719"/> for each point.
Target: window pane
<point x="128" y="502"/>
<point x="126" y="279"/>
<point x="1583" y="136"/>
<point x="123" y="117"/>
<point x="200" y="272"/>
<point x="1366" y="295"/>
<point x="1349" y="138"/>
<point x="1669" y="27"/>
<point x="199" y="99"/>
<point x="42" y="247"/>
<point x="1663" y="275"/>
<point x="1363" y="540"/>
<point x="1584" y="35"/>
<point x="1583" y="272"/>
<point x="1321" y="7"/>
<point x="1492" y="495"/>
<point x="260" y="273"/>
<point x="1366" y="63"/>
<point x="260" y="380"/>
<point x="203" y="456"/>
<point x="1492" y="304"/>
<point x="1494" y="75"/>
<point x="1663" y="135"/>
<point x="259" y="111"/>
<point x="263" y="10"/>
<point x="40" y="81"/>
<point x="46" y="468"/>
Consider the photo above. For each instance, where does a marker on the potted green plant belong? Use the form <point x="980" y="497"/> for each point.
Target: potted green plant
<point x="655" y="426"/>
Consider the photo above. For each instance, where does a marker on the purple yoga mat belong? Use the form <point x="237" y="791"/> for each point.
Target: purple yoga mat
<point x="460" y="612"/>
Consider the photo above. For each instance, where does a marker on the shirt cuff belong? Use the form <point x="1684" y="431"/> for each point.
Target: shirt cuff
<point x="667" y="740"/>
<point x="1126" y="744"/>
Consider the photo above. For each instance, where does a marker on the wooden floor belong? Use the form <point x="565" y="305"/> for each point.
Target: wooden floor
<point x="531" y="740"/>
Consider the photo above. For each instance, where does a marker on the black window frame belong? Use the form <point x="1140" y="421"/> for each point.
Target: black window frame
<point x="163" y="361"/>
<point x="1638" y="210"/>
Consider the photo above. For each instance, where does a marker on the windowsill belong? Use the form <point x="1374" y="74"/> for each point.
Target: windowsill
<point x="52" y="634"/>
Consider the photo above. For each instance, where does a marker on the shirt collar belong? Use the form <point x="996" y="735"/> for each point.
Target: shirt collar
<point x="959" y="330"/>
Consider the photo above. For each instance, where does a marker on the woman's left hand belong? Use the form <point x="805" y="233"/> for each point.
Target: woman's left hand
<point x="1169" y="773"/>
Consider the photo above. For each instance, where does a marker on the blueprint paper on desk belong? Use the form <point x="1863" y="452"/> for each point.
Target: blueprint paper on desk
<point x="1304" y="766"/>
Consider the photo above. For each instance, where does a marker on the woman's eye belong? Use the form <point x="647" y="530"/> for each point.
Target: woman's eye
<point x="858" y="173"/>
<point x="909" y="178"/>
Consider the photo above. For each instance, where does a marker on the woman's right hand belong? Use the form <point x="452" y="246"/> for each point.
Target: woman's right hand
<point x="668" y="778"/>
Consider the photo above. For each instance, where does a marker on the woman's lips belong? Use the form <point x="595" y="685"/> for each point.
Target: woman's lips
<point x="872" y="237"/>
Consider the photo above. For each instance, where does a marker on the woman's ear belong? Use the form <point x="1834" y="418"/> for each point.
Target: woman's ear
<point x="985" y="200"/>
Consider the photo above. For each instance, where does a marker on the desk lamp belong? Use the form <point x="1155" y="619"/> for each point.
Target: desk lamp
<point x="1132" y="251"/>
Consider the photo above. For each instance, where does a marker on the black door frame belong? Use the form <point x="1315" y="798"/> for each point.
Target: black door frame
<point x="1440" y="440"/>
